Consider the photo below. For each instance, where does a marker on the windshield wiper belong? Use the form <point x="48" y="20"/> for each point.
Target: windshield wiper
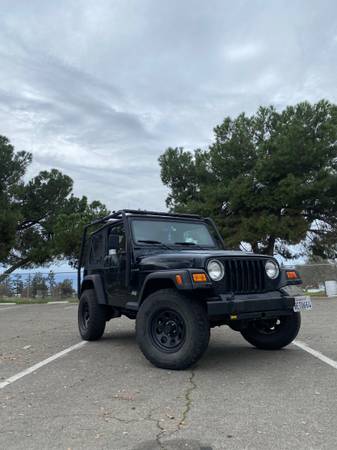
<point x="192" y="244"/>
<point x="150" y="241"/>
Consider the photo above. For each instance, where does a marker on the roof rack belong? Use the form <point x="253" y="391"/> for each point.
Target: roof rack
<point x="156" y="213"/>
<point x="119" y="214"/>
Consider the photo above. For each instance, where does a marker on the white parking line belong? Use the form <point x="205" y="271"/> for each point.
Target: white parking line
<point x="316" y="353"/>
<point x="58" y="302"/>
<point x="37" y="366"/>
<point x="10" y="307"/>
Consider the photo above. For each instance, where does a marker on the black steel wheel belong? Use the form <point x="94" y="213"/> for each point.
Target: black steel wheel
<point x="85" y="315"/>
<point x="91" y="316"/>
<point x="273" y="334"/>
<point x="168" y="330"/>
<point x="172" y="330"/>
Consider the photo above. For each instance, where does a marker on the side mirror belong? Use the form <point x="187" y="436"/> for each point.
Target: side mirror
<point x="113" y="241"/>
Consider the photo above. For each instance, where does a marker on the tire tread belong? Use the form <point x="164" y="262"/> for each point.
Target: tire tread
<point x="201" y="329"/>
<point x="97" y="322"/>
<point x="274" y="341"/>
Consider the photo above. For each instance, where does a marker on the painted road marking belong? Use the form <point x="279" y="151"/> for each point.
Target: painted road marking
<point x="37" y="366"/>
<point x="58" y="302"/>
<point x="316" y="354"/>
<point x="10" y="307"/>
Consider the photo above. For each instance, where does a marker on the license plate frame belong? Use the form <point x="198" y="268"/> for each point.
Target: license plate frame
<point x="302" y="303"/>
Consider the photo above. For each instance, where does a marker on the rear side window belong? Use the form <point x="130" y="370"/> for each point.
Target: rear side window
<point x="96" y="255"/>
<point x="118" y="230"/>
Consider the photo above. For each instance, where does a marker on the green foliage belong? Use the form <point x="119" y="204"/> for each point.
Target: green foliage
<point x="65" y="288"/>
<point x="51" y="281"/>
<point x="269" y="179"/>
<point x="41" y="220"/>
<point x="38" y="287"/>
<point x="69" y="225"/>
<point x="12" y="168"/>
<point x="18" y="285"/>
<point x="6" y="288"/>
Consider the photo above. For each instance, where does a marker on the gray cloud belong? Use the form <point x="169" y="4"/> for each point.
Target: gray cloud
<point x="99" y="89"/>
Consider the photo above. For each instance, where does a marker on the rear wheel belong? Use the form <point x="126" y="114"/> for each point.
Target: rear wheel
<point x="172" y="330"/>
<point x="273" y="334"/>
<point x="91" y="316"/>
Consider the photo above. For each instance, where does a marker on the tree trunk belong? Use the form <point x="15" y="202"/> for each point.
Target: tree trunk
<point x="270" y="247"/>
<point x="19" y="263"/>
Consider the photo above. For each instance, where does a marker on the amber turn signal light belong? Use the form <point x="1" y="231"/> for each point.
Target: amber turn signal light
<point x="199" y="277"/>
<point x="292" y="275"/>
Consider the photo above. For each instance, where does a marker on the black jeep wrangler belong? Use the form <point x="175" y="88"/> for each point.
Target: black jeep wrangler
<point x="172" y="273"/>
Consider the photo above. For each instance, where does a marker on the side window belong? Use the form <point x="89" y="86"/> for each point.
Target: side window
<point x="97" y="250"/>
<point x="118" y="232"/>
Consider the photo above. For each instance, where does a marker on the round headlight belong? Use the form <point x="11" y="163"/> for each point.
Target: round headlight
<point x="272" y="269"/>
<point x="215" y="270"/>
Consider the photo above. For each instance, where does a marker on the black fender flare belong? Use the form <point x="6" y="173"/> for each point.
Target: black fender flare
<point x="186" y="285"/>
<point x="166" y="275"/>
<point x="96" y="282"/>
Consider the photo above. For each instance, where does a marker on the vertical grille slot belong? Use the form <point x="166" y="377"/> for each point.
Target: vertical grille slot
<point x="243" y="275"/>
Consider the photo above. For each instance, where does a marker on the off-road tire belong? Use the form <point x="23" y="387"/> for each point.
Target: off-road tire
<point x="283" y="335"/>
<point x="191" y="314"/>
<point x="91" y="316"/>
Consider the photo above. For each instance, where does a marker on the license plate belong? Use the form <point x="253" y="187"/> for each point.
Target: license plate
<point x="302" y="303"/>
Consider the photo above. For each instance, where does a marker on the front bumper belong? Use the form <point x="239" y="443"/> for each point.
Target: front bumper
<point x="250" y="306"/>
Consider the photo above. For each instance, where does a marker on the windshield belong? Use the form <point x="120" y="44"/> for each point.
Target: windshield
<point x="169" y="232"/>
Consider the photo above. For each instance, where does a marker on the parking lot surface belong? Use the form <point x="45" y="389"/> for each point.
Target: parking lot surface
<point x="105" y="395"/>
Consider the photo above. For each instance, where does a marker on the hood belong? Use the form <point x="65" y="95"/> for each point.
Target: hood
<point x="184" y="259"/>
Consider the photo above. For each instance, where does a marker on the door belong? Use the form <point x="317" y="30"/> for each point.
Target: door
<point x="115" y="266"/>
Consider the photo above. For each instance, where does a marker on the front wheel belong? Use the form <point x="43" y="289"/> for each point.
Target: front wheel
<point x="273" y="334"/>
<point x="172" y="330"/>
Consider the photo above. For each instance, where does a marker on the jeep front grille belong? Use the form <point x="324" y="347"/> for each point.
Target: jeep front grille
<point x="242" y="276"/>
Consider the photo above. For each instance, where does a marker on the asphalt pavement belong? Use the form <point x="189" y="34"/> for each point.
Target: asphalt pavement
<point x="105" y="395"/>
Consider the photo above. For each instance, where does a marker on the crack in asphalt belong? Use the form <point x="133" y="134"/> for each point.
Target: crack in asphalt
<point x="108" y="415"/>
<point x="187" y="407"/>
<point x="160" y="434"/>
<point x="188" y="400"/>
<point x="119" y="419"/>
<point x="158" y="425"/>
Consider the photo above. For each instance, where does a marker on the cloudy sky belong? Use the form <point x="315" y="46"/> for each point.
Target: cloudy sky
<point x="99" y="89"/>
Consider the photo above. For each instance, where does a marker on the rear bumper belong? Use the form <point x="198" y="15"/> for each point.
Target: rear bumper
<point x="269" y="304"/>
